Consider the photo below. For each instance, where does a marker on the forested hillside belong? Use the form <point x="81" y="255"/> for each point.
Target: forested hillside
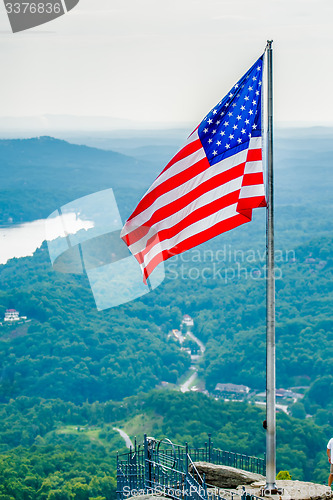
<point x="58" y="450"/>
<point x="71" y="373"/>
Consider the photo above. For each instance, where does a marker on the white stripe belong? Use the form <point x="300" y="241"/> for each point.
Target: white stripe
<point x="253" y="167"/>
<point x="252" y="191"/>
<point x="196" y="228"/>
<point x="255" y="143"/>
<point x="172" y="220"/>
<point x="178" y="167"/>
<point x="142" y="218"/>
<point x="181" y="165"/>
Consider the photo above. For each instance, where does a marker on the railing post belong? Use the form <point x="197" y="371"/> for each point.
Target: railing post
<point x="146" y="463"/>
<point x="118" y="479"/>
<point x="186" y="483"/>
<point x="209" y="447"/>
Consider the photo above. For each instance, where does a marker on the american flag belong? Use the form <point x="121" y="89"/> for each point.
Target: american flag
<point x="210" y="186"/>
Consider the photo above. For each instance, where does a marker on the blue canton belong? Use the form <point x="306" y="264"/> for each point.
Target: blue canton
<point x="228" y="127"/>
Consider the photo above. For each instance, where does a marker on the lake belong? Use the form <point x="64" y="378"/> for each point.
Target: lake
<point x="23" y="240"/>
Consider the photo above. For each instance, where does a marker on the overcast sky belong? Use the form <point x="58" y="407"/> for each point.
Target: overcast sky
<point x="168" y="61"/>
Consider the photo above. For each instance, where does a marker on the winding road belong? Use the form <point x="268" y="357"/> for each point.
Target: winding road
<point x="185" y="387"/>
<point x="125" y="437"/>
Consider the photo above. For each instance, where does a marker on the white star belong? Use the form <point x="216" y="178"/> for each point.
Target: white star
<point x="231" y="95"/>
<point x="214" y="132"/>
<point x="214" y="153"/>
<point x="218" y="143"/>
<point x="218" y="122"/>
<point x="236" y="86"/>
<point x="230" y="113"/>
<point x="210" y="121"/>
<point x="234" y="105"/>
<point x="243" y="86"/>
<point x="242" y="108"/>
<point x="254" y="126"/>
<point x="214" y="112"/>
<point x="247" y="122"/>
<point x="239" y="117"/>
<point x="250" y="112"/>
<point x="226" y="124"/>
<point x="226" y="104"/>
<point x="227" y="146"/>
<point x="235" y="127"/>
<point x="258" y="68"/>
<point x="257" y="92"/>
<point x="243" y="130"/>
<point x="210" y="141"/>
<point x="259" y="84"/>
<point x="250" y="88"/>
<point x="231" y="136"/>
<point x="222" y="133"/>
<point x="239" y="140"/>
<point x="221" y="114"/>
<point x="205" y="130"/>
<point x="254" y="103"/>
<point x="254" y="78"/>
<point x="249" y="136"/>
<point x="246" y="98"/>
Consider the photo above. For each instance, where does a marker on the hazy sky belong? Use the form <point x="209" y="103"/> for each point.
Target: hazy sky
<point x="168" y="61"/>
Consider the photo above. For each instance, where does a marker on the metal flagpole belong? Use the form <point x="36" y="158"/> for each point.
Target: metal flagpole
<point x="270" y="487"/>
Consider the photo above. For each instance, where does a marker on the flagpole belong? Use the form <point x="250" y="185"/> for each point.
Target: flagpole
<point x="270" y="487"/>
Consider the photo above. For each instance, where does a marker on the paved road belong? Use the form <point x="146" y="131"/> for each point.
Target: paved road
<point x="125" y="437"/>
<point x="186" y="385"/>
<point x="197" y="341"/>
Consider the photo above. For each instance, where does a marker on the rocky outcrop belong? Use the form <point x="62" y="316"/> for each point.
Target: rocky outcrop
<point x="296" y="490"/>
<point x="231" y="483"/>
<point x="223" y="476"/>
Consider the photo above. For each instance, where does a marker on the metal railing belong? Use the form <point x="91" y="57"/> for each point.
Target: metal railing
<point x="164" y="468"/>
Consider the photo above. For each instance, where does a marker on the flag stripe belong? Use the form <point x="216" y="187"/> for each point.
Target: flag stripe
<point x="197" y="239"/>
<point x="142" y="217"/>
<point x="187" y="150"/>
<point x="203" y="191"/>
<point x="250" y="191"/>
<point x="252" y="179"/>
<point x="180" y="229"/>
<point x="194" y="165"/>
<point x="196" y="228"/>
<point x="217" y="195"/>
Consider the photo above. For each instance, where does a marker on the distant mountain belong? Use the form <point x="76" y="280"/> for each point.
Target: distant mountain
<point x="38" y="175"/>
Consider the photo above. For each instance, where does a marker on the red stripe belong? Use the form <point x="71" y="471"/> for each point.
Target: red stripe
<point x="183" y="153"/>
<point x="250" y="203"/>
<point x="254" y="155"/>
<point x="197" y="239"/>
<point x="195" y="216"/>
<point x="177" y="205"/>
<point x="253" y="179"/>
<point x="170" y="184"/>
